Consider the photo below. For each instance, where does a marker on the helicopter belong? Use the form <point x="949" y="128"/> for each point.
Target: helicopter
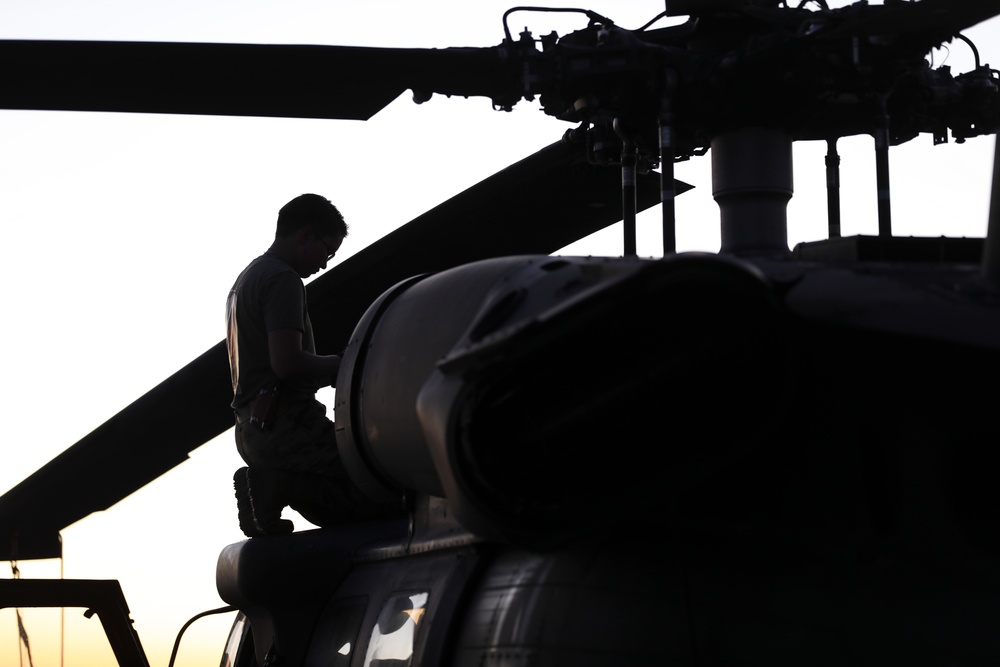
<point x="749" y="547"/>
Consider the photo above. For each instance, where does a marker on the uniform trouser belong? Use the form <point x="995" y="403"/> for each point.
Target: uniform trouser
<point x="301" y="449"/>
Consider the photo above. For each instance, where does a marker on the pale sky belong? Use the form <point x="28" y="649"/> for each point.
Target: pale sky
<point x="125" y="232"/>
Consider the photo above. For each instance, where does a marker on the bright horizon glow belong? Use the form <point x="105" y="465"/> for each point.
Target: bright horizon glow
<point x="125" y="232"/>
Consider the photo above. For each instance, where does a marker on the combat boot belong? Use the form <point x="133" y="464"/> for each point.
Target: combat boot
<point x="266" y="502"/>
<point x="244" y="507"/>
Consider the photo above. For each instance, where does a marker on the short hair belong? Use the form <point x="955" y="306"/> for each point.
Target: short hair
<point x="310" y="210"/>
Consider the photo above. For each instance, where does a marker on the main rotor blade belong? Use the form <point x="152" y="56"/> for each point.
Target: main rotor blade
<point x="295" y="81"/>
<point x="537" y="205"/>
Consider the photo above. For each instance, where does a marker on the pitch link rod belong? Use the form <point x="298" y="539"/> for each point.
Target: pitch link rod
<point x="991" y="249"/>
<point x="833" y="188"/>
<point x="881" y="136"/>
<point x="667" y="187"/>
<point x="629" y="206"/>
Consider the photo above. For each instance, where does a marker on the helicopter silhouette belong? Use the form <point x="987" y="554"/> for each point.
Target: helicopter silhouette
<point x="521" y="400"/>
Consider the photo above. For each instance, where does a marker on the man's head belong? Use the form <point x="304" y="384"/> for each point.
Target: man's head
<point x="310" y="230"/>
<point x="312" y="211"/>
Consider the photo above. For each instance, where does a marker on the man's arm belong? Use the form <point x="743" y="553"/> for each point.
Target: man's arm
<point x="290" y="362"/>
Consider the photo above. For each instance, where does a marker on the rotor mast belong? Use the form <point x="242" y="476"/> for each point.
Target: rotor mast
<point x="752" y="183"/>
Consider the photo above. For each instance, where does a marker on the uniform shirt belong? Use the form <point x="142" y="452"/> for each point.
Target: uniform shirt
<point x="268" y="295"/>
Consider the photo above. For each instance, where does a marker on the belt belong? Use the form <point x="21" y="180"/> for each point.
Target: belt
<point x="242" y="415"/>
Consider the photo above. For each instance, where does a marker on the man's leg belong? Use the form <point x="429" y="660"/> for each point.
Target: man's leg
<point x="333" y="499"/>
<point x="258" y="500"/>
<point x="313" y="479"/>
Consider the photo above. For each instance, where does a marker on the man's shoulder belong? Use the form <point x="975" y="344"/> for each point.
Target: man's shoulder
<point x="266" y="268"/>
<point x="268" y="263"/>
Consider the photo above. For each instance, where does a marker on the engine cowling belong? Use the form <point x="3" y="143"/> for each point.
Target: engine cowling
<point x="541" y="395"/>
